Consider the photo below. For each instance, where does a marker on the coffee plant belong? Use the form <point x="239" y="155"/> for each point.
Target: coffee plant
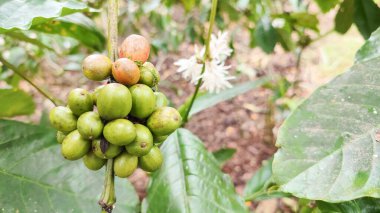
<point x="82" y="151"/>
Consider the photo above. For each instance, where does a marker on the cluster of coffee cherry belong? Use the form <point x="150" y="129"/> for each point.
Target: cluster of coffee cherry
<point x="125" y="120"/>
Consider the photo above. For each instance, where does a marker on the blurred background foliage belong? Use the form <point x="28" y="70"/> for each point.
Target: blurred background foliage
<point x="60" y="41"/>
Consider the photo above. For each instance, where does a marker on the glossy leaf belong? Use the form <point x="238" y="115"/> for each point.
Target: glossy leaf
<point x="15" y="102"/>
<point x="367" y="17"/>
<point x="362" y="205"/>
<point x="327" y="5"/>
<point x="190" y="180"/>
<point x="259" y="186"/>
<point x="328" y="147"/>
<point x="77" y="26"/>
<point x="370" y="49"/>
<point x="223" y="155"/>
<point x="20" y="14"/>
<point x="206" y="100"/>
<point x="36" y="178"/>
<point x="345" y="16"/>
<point x="265" y="35"/>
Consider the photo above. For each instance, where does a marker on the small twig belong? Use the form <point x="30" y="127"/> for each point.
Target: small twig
<point x="206" y="57"/>
<point x="55" y="101"/>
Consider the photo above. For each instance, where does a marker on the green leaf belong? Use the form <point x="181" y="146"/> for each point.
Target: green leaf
<point x="15" y="102"/>
<point x="190" y="180"/>
<point x="328" y="147"/>
<point x="362" y="205"/>
<point x="345" y="16"/>
<point x="327" y="5"/>
<point x="204" y="101"/>
<point x="19" y="14"/>
<point x="285" y="37"/>
<point x="265" y="35"/>
<point x="370" y="49"/>
<point x="223" y="155"/>
<point x="39" y="179"/>
<point x="77" y="26"/>
<point x="306" y="20"/>
<point x="367" y="17"/>
<point x="188" y="4"/>
<point x="258" y="187"/>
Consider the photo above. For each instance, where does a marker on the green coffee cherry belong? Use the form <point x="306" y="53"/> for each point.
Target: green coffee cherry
<point x="120" y="132"/>
<point x="164" y="121"/>
<point x="95" y="94"/>
<point x="151" y="161"/>
<point x="92" y="162"/>
<point x="89" y="125"/>
<point x="124" y="165"/>
<point x="114" y="101"/>
<point x="97" y="67"/>
<point x="149" y="75"/>
<point x="143" y="101"/>
<point x="74" y="146"/>
<point x="80" y="101"/>
<point x="159" y="139"/>
<point x="62" y="119"/>
<point x="110" y="152"/>
<point x="60" y="136"/>
<point x="161" y="100"/>
<point x="142" y="143"/>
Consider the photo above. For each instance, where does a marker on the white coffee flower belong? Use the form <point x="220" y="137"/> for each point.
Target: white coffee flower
<point x="219" y="48"/>
<point x="189" y="68"/>
<point x="215" y="77"/>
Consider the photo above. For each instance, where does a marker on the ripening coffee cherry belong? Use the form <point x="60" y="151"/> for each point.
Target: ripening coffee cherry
<point x="80" y="101"/>
<point x="164" y="121"/>
<point x="158" y="140"/>
<point x="89" y="125"/>
<point x="142" y="143"/>
<point x="149" y="75"/>
<point x="63" y="119"/>
<point x="74" y="146"/>
<point x="91" y="161"/>
<point x="125" y="71"/>
<point x="151" y="161"/>
<point x="60" y="136"/>
<point x="111" y="150"/>
<point x="95" y="94"/>
<point x="120" y="132"/>
<point x="124" y="165"/>
<point x="161" y="100"/>
<point x="135" y="47"/>
<point x="114" y="101"/>
<point x="143" y="101"/>
<point x="97" y="67"/>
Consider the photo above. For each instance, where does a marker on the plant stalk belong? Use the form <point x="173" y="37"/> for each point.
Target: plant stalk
<point x="55" y="101"/>
<point x="108" y="197"/>
<point x="206" y="57"/>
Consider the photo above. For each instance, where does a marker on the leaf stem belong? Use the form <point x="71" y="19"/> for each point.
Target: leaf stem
<point x="108" y="197"/>
<point x="206" y="57"/>
<point x="55" y="101"/>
